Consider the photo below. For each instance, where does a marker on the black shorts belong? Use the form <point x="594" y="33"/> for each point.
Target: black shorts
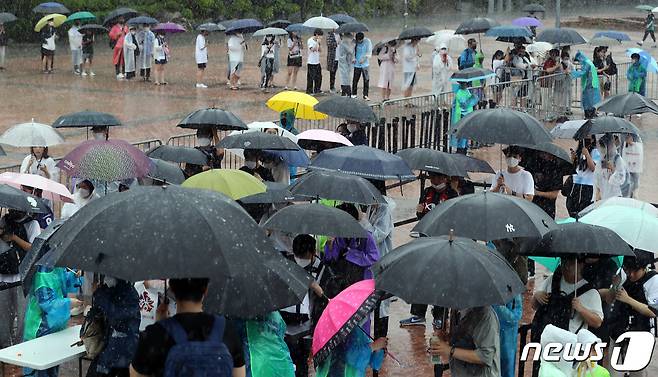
<point x="164" y="61"/>
<point x="295" y="61"/>
<point x="46" y="52"/>
<point x="201" y="65"/>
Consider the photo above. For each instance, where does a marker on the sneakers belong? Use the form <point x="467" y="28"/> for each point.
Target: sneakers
<point x="640" y="43"/>
<point x="201" y="86"/>
<point x="365" y="98"/>
<point x="353" y="96"/>
<point x="120" y="76"/>
<point x="412" y="321"/>
<point x="91" y="73"/>
<point x="83" y="74"/>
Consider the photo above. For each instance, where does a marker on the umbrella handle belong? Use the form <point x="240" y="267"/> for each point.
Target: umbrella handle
<point x="387" y="353"/>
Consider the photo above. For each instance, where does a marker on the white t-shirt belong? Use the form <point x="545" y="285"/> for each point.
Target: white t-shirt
<point x="75" y="38"/>
<point x="313" y="56"/>
<point x="201" y="50"/>
<point x="609" y="183"/>
<point x="591" y="300"/>
<point x="520" y="182"/>
<point x="586" y="177"/>
<point x="633" y="155"/>
<point x="235" y="49"/>
<point x="409" y="58"/>
<point x="497" y="67"/>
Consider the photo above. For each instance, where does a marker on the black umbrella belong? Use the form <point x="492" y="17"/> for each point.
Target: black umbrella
<point x="94" y="28"/>
<point x="13" y="198"/>
<point x="276" y="193"/>
<point x="258" y="140"/>
<point x="166" y="172"/>
<point x="346" y="108"/>
<point x="502" y="126"/>
<point x="298" y="28"/>
<point x="247" y="25"/>
<point x="212" y="118"/>
<point x="473" y="165"/>
<point x="534" y="8"/>
<point x="415" y="33"/>
<point x="51" y="7"/>
<point x="472" y="74"/>
<point x="627" y="104"/>
<point x="342" y="18"/>
<point x="126" y="13"/>
<point x="363" y="161"/>
<point x="178" y="154"/>
<point x="515" y="40"/>
<point x="315" y="218"/>
<point x="579" y="239"/>
<point x="86" y="119"/>
<point x="379" y="46"/>
<point x="606" y="124"/>
<point x="337" y="186"/>
<point x="7" y="17"/>
<point x="142" y="20"/>
<point x="131" y="236"/>
<point x="352" y="27"/>
<point x="209" y="26"/>
<point x="225" y="23"/>
<point x="434" y="161"/>
<point x="486" y="216"/>
<point x="476" y="25"/>
<point x="40" y="247"/>
<point x="279" y="23"/>
<point x="561" y="36"/>
<point x="562" y="162"/>
<point x="455" y="273"/>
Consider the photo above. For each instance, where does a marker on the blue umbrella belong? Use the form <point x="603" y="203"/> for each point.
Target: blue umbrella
<point x="298" y="28"/>
<point x="618" y="35"/>
<point x="293" y="158"/>
<point x="364" y="162"/>
<point x="246" y="25"/>
<point x="142" y="20"/>
<point x="645" y="59"/>
<point x="509" y="31"/>
<point x="341" y="18"/>
<point x="51" y="7"/>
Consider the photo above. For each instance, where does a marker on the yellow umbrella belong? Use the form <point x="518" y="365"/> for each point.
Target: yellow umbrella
<point x="233" y="183"/>
<point x="301" y="103"/>
<point x="59" y="19"/>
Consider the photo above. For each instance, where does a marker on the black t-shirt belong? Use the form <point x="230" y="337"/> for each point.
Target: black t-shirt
<point x="547" y="178"/>
<point x="430" y="198"/>
<point x="262" y="172"/>
<point x="87" y="44"/>
<point x="155" y="342"/>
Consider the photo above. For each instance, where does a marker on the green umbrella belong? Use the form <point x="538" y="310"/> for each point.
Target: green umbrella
<point x="81" y="16"/>
<point x="646" y="8"/>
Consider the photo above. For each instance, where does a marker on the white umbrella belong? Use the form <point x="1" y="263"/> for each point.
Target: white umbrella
<point x="262" y="127"/>
<point x="623" y="202"/>
<point x="270" y="31"/>
<point x="567" y="129"/>
<point x="320" y="22"/>
<point x="539" y="48"/>
<point x="447" y="37"/>
<point x="31" y="135"/>
<point x="637" y="227"/>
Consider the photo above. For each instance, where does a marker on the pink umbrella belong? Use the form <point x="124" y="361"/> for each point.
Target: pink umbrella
<point x="322" y="139"/>
<point x="52" y="190"/>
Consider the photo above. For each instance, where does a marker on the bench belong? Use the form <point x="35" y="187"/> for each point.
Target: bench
<point x="45" y="352"/>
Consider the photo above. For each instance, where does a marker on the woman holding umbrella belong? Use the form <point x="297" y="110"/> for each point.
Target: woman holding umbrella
<point x="48" y="36"/>
<point x="40" y="163"/>
<point x="410" y="58"/>
<point x="161" y="54"/>
<point x="295" y="49"/>
<point x="130" y="52"/>
<point x="117" y="35"/>
<point x="387" y="61"/>
<point x="442" y="67"/>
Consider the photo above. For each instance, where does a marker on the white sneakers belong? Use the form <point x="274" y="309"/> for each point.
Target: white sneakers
<point x="91" y="73"/>
<point x="83" y="73"/>
<point x="120" y="76"/>
<point x="201" y="86"/>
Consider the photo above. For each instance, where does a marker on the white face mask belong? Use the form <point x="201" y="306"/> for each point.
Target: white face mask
<point x="303" y="262"/>
<point x="99" y="136"/>
<point x="203" y="141"/>
<point x="512" y="162"/>
<point x="84" y="193"/>
<point x="439" y="187"/>
<point x="352" y="127"/>
<point x="250" y="164"/>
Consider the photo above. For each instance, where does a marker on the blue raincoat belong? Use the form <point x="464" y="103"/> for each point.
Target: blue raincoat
<point x="352" y="358"/>
<point x="509" y="316"/>
<point x="590" y="82"/>
<point x="268" y="353"/>
<point x="462" y="105"/>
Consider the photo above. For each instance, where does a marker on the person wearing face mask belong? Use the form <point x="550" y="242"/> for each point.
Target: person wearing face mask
<point x="205" y="142"/>
<point x="611" y="173"/>
<point x="280" y="170"/>
<point x="584" y="158"/>
<point x="514" y="180"/>
<point x="84" y="193"/>
<point x="355" y="133"/>
<point x="117" y="36"/>
<point x="100" y="133"/>
<point x="590" y="95"/>
<point x="345" y="59"/>
<point x="44" y="219"/>
<point x="442" y="67"/>
<point x="462" y="105"/>
<point x="438" y="192"/>
<point x="633" y="155"/>
<point x="130" y="52"/>
<point x="48" y="36"/>
<point x="75" y="43"/>
<point x="253" y="167"/>
<point x="548" y="181"/>
<point x="38" y="162"/>
<point x="362" y="54"/>
<point x="146" y="41"/>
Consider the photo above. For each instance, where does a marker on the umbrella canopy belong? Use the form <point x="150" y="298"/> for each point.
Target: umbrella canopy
<point x="212" y="118"/>
<point x="320" y="22"/>
<point x="40" y="247"/>
<point x="606" y="124"/>
<point x="235" y="184"/>
<point x="7" y="17"/>
<point x="275" y="193"/>
<point x="472" y="164"/>
<point x="561" y="36"/>
<point x="105" y="160"/>
<point x="166" y="172"/>
<point x="540" y="48"/>
<point x="486" y="216"/>
<point x="434" y="161"/>
<point x="86" y="119"/>
<point x="297" y="155"/>
<point x="51" y="7"/>
<point x="472" y="74"/>
<point x="178" y="154"/>
<point x="292" y="158"/>
<point x="298" y="28"/>
<point x="515" y="40"/>
<point x="246" y="25"/>
<point x="534" y="8"/>
<point x="645" y="59"/>
<point x="300" y="102"/>
<point x="636" y="227"/>
<point x="342" y="18"/>
<point x="502" y="126"/>
<point x="621" y="202"/>
<point x="448" y="38"/>
<point x="58" y="19"/>
<point x="142" y="20"/>
<point x="31" y="135"/>
<point x="645" y="7"/>
<point x="562" y="162"/>
<point x="315" y="218"/>
<point x="321" y="139"/>
<point x="126" y="13"/>
<point x="257" y="140"/>
<point x="81" y="16"/>
<point x="379" y="46"/>
<point x="13" y="198"/>
<point x="363" y="161"/>
<point x="279" y="24"/>
<point x="53" y="191"/>
<point x="95" y="28"/>
<point x="346" y="108"/>
<point x="352" y="27"/>
<point x="415" y="33"/>
<point x="476" y="25"/>
<point x="509" y="31"/>
<point x="220" y="250"/>
<point x="337" y="186"/>
<point x="568" y="129"/>
<point x="527" y="22"/>
<point x="618" y="35"/>
<point x="270" y="31"/>
<point x="342" y="315"/>
<point x="422" y="270"/>
<point x="169" y="28"/>
<point x="209" y="26"/>
<point x="627" y="104"/>
<point x="579" y="240"/>
<point x="603" y="41"/>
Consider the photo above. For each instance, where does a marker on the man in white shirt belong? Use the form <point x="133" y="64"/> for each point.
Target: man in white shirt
<point x="201" y="57"/>
<point x="75" y="42"/>
<point x="515" y="180"/>
<point x="633" y="156"/>
<point x="313" y="66"/>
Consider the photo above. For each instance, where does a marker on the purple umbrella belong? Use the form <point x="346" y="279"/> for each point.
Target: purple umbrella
<point x="105" y="160"/>
<point x="527" y="22"/>
<point x="169" y="28"/>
